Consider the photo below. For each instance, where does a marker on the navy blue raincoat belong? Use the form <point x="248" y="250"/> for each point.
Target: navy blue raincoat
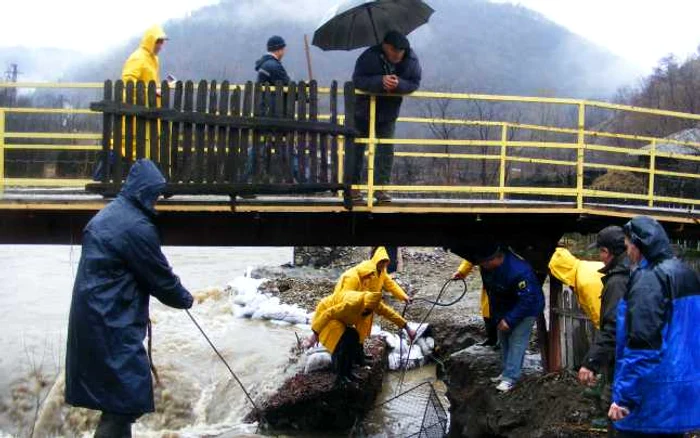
<point x="657" y="373"/>
<point x="513" y="290"/>
<point x="370" y="68"/>
<point x="121" y="265"/>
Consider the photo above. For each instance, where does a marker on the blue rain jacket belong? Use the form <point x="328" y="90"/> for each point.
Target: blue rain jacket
<point x="513" y="290"/>
<point x="121" y="265"/>
<point x="657" y="373"/>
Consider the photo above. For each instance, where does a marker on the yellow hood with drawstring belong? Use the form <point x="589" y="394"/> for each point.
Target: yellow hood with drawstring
<point x="337" y="312"/>
<point x="143" y="64"/>
<point x="583" y="277"/>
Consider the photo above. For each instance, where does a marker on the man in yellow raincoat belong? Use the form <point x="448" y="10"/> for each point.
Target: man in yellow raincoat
<point x="340" y="325"/>
<point x="143" y="65"/>
<point x="584" y="277"/>
<point x="378" y="282"/>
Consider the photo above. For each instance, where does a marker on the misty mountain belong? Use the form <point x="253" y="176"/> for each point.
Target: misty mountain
<point x="38" y="64"/>
<point x="468" y="46"/>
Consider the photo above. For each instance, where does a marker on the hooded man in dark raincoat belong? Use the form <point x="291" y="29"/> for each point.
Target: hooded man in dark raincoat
<point x="657" y="370"/>
<point x="121" y="266"/>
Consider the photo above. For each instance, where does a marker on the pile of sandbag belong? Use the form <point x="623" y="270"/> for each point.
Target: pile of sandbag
<point x="317" y="359"/>
<point x="403" y="354"/>
<point x="248" y="302"/>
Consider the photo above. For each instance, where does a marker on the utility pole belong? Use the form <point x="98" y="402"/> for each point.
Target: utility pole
<point x="10" y="93"/>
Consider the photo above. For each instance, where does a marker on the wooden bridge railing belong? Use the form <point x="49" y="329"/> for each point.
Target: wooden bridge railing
<point x="223" y="139"/>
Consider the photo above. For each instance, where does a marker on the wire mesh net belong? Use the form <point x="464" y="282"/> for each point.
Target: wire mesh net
<point x="416" y="413"/>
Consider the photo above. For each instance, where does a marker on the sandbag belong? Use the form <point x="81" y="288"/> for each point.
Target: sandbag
<point x="317" y="359"/>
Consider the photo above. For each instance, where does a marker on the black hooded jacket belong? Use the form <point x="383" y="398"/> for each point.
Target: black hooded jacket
<point x="615" y="279"/>
<point x="270" y="71"/>
<point x="370" y="68"/>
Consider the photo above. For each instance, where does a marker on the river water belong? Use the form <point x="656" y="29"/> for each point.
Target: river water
<point x="197" y="396"/>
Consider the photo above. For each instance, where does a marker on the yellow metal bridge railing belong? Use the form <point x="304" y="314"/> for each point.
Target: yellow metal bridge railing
<point x="670" y="178"/>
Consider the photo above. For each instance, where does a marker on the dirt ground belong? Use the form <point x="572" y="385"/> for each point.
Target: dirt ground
<point x="541" y="406"/>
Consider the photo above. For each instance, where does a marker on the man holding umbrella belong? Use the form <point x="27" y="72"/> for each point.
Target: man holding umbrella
<point x="388" y="68"/>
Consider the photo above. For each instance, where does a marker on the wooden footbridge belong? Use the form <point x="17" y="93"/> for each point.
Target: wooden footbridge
<point x="254" y="165"/>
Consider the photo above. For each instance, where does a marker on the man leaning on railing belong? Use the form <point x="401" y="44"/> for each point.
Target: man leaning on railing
<point x="388" y="68"/>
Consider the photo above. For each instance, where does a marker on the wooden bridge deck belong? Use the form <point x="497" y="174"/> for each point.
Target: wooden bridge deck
<point x="58" y="216"/>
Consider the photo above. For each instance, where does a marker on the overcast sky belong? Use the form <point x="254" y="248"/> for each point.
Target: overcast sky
<point x="641" y="31"/>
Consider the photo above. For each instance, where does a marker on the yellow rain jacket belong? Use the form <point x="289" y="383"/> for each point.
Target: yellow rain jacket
<point x="336" y="312"/>
<point x="583" y="277"/>
<point x="361" y="279"/>
<point x="143" y="65"/>
<point x="383" y="281"/>
<point x="365" y="278"/>
<point x="465" y="268"/>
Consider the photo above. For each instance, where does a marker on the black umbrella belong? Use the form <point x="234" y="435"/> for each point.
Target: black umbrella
<point x="360" y="23"/>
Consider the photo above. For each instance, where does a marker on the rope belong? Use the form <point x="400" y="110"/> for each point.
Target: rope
<point x="434" y="304"/>
<point x="255" y="407"/>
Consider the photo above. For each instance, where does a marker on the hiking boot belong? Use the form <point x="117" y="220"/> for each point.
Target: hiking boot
<point x="356" y="196"/>
<point x="505" y="386"/>
<point x="497" y="379"/>
<point x="600" y="423"/>
<point x="342" y="383"/>
<point x="382" y="196"/>
<point x="488" y="343"/>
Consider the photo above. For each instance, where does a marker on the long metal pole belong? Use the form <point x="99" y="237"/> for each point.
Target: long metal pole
<point x="308" y="57"/>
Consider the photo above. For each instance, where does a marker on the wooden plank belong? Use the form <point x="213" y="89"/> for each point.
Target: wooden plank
<point x="258" y="142"/>
<point x="246" y="134"/>
<point x="222" y="135"/>
<point x="200" y="134"/>
<point x="313" y="140"/>
<point x="290" y="113"/>
<point x="140" y="121"/>
<point x="117" y="152"/>
<point x="302" y="136"/>
<point x="349" y="141"/>
<point x="234" y="160"/>
<point x="258" y="122"/>
<point x="188" y="129"/>
<point x="325" y="156"/>
<point x="106" y="134"/>
<point x="164" y="139"/>
<point x="129" y="127"/>
<point x="335" y="159"/>
<point x="211" y="156"/>
<point x="569" y="332"/>
<point x="175" y="158"/>
<point x="278" y="155"/>
<point x="554" y="356"/>
<point x="153" y="134"/>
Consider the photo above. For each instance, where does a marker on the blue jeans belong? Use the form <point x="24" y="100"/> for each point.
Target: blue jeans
<point x="513" y="346"/>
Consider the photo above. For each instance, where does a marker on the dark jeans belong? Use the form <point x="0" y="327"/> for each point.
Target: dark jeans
<point x="491" y="330"/>
<point x="621" y="434"/>
<point x="384" y="158"/>
<point x="348" y="352"/>
<point x="114" y="426"/>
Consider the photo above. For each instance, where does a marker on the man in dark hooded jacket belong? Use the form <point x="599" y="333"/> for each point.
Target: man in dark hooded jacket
<point x="269" y="67"/>
<point x="121" y="266"/>
<point x="616" y="275"/>
<point x="388" y="68"/>
<point x="270" y="72"/>
<point x="657" y="370"/>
